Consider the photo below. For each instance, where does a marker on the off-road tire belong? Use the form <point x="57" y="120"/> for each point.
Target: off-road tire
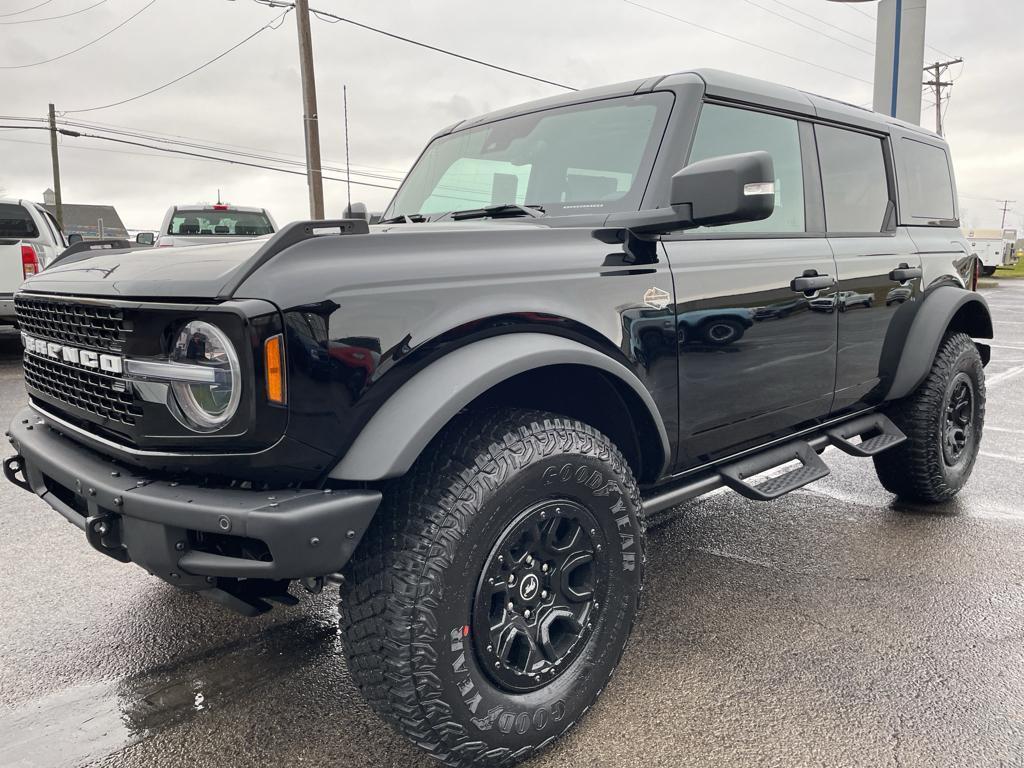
<point x="918" y="470"/>
<point x="408" y="593"/>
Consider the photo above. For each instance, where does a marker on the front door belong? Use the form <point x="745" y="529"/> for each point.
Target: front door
<point x="756" y="328"/>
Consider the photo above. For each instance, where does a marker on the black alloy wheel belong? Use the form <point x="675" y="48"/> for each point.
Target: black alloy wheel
<point x="538" y="593"/>
<point x="958" y="429"/>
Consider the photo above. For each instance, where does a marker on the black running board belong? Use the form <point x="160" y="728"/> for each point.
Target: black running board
<point x="876" y="431"/>
<point x="739" y="474"/>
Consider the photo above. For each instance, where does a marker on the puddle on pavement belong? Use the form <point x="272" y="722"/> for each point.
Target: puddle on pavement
<point x="88" y="722"/>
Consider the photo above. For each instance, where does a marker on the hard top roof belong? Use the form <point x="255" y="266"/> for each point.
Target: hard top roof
<point x="720" y="84"/>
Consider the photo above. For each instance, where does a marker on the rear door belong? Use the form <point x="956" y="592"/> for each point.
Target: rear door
<point x="878" y="265"/>
<point x="757" y="354"/>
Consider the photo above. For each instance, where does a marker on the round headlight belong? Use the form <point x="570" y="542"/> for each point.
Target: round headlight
<point x="207" y="404"/>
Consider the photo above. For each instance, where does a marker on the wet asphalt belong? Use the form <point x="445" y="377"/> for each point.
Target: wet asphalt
<point x="831" y="627"/>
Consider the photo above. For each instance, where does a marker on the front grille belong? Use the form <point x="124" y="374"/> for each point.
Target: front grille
<point x="77" y="323"/>
<point x="105" y="396"/>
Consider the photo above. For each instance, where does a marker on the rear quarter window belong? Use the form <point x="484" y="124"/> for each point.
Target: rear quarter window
<point x="926" y="184"/>
<point x="16" y="222"/>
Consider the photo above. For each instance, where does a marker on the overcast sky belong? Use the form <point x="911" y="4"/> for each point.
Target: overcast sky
<point x="399" y="95"/>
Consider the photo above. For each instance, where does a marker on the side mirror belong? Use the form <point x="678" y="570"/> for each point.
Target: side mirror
<point x="727" y="190"/>
<point x="144" y="238"/>
<point x="720" y="190"/>
<point x="356" y="211"/>
<point x="74" y="238"/>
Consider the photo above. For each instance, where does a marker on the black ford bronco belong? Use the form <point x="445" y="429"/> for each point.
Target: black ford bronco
<point x="574" y="313"/>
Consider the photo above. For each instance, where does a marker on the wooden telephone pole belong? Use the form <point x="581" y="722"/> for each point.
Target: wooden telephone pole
<point x="936" y="70"/>
<point x="311" y="126"/>
<point x="58" y="204"/>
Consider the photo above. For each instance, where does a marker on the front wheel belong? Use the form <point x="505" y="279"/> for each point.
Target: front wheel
<point x="492" y="598"/>
<point x="943" y="421"/>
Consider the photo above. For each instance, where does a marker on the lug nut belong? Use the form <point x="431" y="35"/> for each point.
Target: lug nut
<point x="527" y="614"/>
<point x="545" y="568"/>
<point x="511" y="605"/>
<point x="543" y="594"/>
<point x="511" y="579"/>
<point x="529" y="560"/>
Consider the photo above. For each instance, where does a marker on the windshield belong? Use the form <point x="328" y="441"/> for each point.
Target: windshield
<point x="200" y="223"/>
<point x="591" y="157"/>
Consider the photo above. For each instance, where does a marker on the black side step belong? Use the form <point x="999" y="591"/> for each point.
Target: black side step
<point x="812" y="468"/>
<point x="876" y="431"/>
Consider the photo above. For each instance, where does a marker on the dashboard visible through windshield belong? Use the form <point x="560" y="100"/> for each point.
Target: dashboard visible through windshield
<point x="592" y="157"/>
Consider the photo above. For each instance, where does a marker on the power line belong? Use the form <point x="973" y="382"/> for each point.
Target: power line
<point x="812" y="29"/>
<point x="51" y="18"/>
<point x="17" y="13"/>
<point x="822" y="21"/>
<point x="79" y="134"/>
<point x="389" y="174"/>
<point x="81" y="47"/>
<point x="268" y="25"/>
<point x="745" y="42"/>
<point x="320" y="14"/>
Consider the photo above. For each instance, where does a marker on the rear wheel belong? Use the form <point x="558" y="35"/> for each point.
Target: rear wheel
<point x="988" y="271"/>
<point x="492" y="598"/>
<point x="943" y="421"/>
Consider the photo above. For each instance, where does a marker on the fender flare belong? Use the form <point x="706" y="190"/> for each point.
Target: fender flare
<point x="398" y="432"/>
<point x="938" y="309"/>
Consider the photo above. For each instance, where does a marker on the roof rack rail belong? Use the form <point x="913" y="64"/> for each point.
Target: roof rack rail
<point x="290" y="235"/>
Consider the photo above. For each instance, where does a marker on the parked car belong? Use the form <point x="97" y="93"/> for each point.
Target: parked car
<point x="454" y="412"/>
<point x="205" y="224"/>
<point x="33" y="225"/>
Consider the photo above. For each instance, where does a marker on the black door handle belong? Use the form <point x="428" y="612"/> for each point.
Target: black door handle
<point x="905" y="272"/>
<point x="810" y="281"/>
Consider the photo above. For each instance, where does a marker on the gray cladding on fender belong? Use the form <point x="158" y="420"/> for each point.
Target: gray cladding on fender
<point x="926" y="332"/>
<point x="402" y="428"/>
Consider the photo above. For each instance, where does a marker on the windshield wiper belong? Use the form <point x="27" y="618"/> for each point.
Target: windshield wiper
<point x="498" y="211"/>
<point x="415" y="218"/>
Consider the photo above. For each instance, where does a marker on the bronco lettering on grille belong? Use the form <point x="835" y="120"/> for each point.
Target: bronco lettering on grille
<point x="84" y="357"/>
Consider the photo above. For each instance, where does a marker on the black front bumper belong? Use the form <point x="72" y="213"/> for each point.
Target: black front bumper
<point x="167" y="526"/>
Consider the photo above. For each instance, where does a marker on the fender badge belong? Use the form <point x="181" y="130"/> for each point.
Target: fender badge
<point x="657" y="298"/>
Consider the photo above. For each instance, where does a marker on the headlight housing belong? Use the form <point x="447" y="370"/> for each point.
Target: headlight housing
<point x="207" y="404"/>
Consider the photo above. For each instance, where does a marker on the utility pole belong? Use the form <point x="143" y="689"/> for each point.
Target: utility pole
<point x="348" y="166"/>
<point x="56" y="169"/>
<point x="936" y="70"/>
<point x="314" y="173"/>
<point x="1006" y="208"/>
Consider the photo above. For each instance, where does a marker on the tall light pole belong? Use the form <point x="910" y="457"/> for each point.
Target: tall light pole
<point x="899" y="57"/>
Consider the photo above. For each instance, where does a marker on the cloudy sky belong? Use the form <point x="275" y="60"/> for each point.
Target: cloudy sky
<point x="399" y="95"/>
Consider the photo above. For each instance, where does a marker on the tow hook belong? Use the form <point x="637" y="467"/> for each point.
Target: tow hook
<point x="14" y="470"/>
<point x="101" y="532"/>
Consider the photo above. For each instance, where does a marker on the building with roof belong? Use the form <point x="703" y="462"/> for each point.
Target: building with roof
<point x="89" y="221"/>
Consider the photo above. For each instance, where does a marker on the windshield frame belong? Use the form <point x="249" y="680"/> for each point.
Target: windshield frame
<point x="664" y="102"/>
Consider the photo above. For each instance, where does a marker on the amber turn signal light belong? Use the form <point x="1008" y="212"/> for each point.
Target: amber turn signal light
<point x="273" y="353"/>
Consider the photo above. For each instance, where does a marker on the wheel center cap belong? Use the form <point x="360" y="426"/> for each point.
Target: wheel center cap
<point x="529" y="586"/>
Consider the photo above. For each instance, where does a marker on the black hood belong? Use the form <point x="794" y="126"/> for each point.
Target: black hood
<point x="197" y="272"/>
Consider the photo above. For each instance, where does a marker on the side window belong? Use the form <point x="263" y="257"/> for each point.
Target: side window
<point x="729" y="131"/>
<point x="853" y="180"/>
<point x="926" y="185"/>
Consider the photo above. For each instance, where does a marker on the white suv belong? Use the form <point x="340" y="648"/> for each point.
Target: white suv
<point x="219" y="223"/>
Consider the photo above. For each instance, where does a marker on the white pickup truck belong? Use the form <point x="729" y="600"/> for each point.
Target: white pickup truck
<point x="18" y="260"/>
<point x="33" y="225"/>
